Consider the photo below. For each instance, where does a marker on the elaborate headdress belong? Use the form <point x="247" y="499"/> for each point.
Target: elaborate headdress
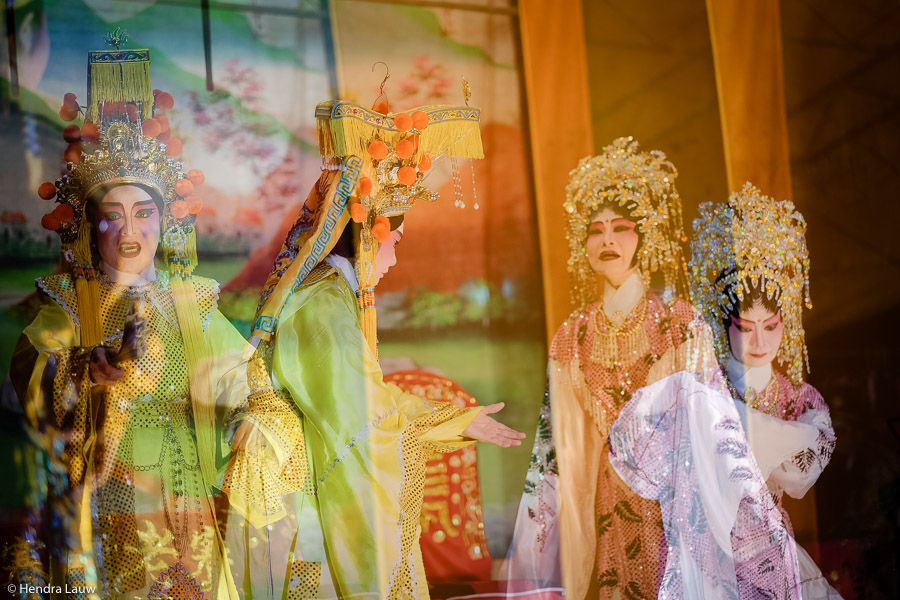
<point x="119" y="143"/>
<point x="642" y="183"/>
<point x="752" y="241"/>
<point x="373" y="166"/>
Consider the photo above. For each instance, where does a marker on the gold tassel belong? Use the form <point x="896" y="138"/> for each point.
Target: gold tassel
<point x="449" y="136"/>
<point x="196" y="353"/>
<point x="119" y="82"/>
<point x="367" y="277"/>
<point x="87" y="289"/>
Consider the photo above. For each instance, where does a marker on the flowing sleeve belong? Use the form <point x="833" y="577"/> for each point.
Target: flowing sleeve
<point x="50" y="373"/>
<point x="365" y="439"/>
<point x="809" y="442"/>
<point x="681" y="442"/>
<point x="257" y="482"/>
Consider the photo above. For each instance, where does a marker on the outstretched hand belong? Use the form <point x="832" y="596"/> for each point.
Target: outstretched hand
<point x="485" y="428"/>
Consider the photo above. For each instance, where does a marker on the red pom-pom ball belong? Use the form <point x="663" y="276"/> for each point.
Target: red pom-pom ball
<point x="381" y="229"/>
<point x="365" y="186"/>
<point x="90" y="132"/>
<point x="63" y="213"/>
<point x="73" y="153"/>
<point x="184" y="187"/>
<point x="180" y="208"/>
<point x="357" y="212"/>
<point x="424" y="163"/>
<point x="406" y="175"/>
<point x="164" y="100"/>
<point x="47" y="190"/>
<point x="195" y="205"/>
<point x="72" y="134"/>
<point x="403" y="121"/>
<point x="420" y="120"/>
<point x="405" y="149"/>
<point x="378" y="149"/>
<point x="196" y="176"/>
<point x="151" y="128"/>
<point x="173" y="147"/>
<point x="50" y="222"/>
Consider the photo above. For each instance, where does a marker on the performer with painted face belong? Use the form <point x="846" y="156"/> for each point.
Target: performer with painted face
<point x="367" y="441"/>
<point x="579" y="525"/>
<point x="718" y="450"/>
<point x="750" y="279"/>
<point x="129" y="375"/>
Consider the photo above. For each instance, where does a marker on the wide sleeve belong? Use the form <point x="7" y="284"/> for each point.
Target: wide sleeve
<point x="815" y="440"/>
<point x="256" y="482"/>
<point x="50" y="373"/>
<point x="320" y="354"/>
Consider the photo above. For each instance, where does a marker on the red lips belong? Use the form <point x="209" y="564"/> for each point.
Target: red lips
<point x="609" y="255"/>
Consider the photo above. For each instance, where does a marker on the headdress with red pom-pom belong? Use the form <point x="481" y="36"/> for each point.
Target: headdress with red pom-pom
<point x="121" y="142"/>
<point x="374" y="163"/>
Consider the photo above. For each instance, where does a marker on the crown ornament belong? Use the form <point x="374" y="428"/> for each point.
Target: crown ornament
<point x="641" y="183"/>
<point x="752" y="242"/>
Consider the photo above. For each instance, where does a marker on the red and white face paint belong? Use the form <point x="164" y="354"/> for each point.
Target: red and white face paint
<point x="756" y="336"/>
<point x="128" y="227"/>
<point x="611" y="243"/>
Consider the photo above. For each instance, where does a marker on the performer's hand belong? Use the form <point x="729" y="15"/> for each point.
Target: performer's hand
<point x="247" y="437"/>
<point x="485" y="429"/>
<point x="102" y="368"/>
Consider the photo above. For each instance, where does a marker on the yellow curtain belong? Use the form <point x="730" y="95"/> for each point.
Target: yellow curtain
<point x="559" y="118"/>
<point x="746" y="43"/>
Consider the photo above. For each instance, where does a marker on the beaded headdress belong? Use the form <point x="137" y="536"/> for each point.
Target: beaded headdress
<point x="374" y="165"/>
<point x="121" y="142"/>
<point x="643" y="183"/>
<point x="752" y="242"/>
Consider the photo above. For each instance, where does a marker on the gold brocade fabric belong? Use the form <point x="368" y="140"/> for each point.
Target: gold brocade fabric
<point x="453" y="544"/>
<point x="151" y="523"/>
<point x="604" y="366"/>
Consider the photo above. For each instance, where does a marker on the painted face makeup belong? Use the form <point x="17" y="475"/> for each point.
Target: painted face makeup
<point x="756" y="336"/>
<point x="128" y="229"/>
<point x="387" y="253"/>
<point x="611" y="243"/>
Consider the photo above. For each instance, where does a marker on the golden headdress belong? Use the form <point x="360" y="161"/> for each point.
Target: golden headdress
<point x="752" y="241"/>
<point x="373" y="167"/>
<point x="120" y="142"/>
<point x="643" y="183"/>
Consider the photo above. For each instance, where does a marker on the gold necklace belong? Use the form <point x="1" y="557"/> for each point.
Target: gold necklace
<point x="768" y="398"/>
<point x="618" y="345"/>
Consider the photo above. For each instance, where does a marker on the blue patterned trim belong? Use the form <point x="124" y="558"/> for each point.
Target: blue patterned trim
<point x="342" y="192"/>
<point x="436" y="114"/>
<point x="118" y="56"/>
